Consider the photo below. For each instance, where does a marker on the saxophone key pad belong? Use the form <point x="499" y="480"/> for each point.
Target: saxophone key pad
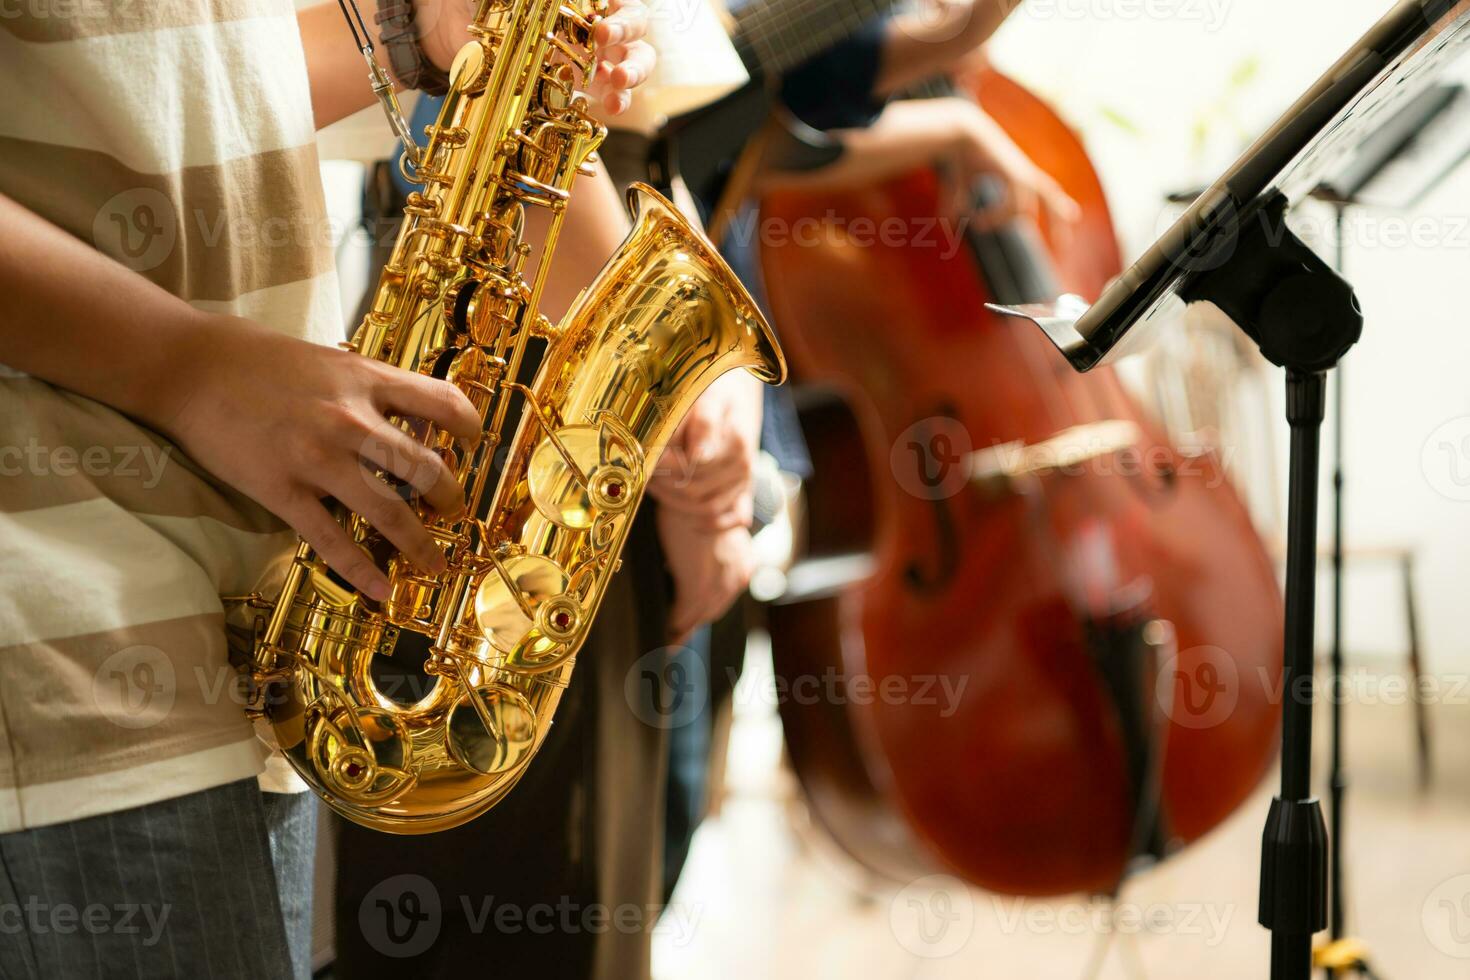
<point x="494" y="735"/>
<point x="559" y="491"/>
<point x="502" y="614"/>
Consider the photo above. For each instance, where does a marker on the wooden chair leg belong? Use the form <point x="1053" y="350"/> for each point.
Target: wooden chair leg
<point x="1421" y="708"/>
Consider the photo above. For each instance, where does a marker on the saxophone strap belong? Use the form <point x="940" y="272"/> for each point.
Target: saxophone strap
<point x="400" y="36"/>
<point x="742" y="179"/>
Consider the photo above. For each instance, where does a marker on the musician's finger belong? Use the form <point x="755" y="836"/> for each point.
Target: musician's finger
<point x="697" y="435"/>
<point x="616" y="103"/>
<point x="635" y="66"/>
<point x="730" y="508"/>
<point x="392" y="518"/>
<point x="958" y="194"/>
<point x="1003" y="210"/>
<point x="624" y="24"/>
<point x="1058" y="202"/>
<point x="410" y="394"/>
<point x="389" y="448"/>
<point x="704" y="481"/>
<point x="335" y="546"/>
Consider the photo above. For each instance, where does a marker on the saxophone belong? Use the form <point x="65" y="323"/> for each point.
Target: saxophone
<point x="529" y="563"/>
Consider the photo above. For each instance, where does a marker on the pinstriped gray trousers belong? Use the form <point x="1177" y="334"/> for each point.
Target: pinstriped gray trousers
<point x="213" y="884"/>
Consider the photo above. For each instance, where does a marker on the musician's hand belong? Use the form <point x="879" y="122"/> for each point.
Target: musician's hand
<point x="979" y="147"/>
<point x="710" y="569"/>
<point x="704" y="484"/>
<point x="624" y="59"/>
<point x="707" y="472"/>
<point x="929" y="39"/>
<point x="289" y="423"/>
<point x="966" y="145"/>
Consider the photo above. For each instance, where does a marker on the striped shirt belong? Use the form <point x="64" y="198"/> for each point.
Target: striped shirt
<point x="177" y="137"/>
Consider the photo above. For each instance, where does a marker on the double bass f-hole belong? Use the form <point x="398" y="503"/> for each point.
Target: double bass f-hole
<point x="1155" y="482"/>
<point x="938" y="464"/>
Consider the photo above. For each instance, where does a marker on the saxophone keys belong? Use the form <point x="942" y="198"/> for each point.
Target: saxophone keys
<point x="474" y="372"/>
<point x="361" y="756"/>
<point x="508" y="604"/>
<point x="612" y="488"/>
<point x="471" y="68"/>
<point x="577" y="472"/>
<point x="491" y="729"/>
<point x="560" y="619"/>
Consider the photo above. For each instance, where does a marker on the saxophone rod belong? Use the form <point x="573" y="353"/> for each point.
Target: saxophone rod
<point x="382" y="85"/>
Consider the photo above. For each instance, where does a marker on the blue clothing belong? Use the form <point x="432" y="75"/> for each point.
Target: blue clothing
<point x="689" y="747"/>
<point x="780" y="430"/>
<point x="834" y="89"/>
<point x="425" y="113"/>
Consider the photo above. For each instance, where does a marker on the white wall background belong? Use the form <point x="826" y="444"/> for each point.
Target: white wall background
<point x="1167" y="93"/>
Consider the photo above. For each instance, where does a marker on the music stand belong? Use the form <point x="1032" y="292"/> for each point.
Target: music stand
<point x="1396" y="166"/>
<point x="1233" y="248"/>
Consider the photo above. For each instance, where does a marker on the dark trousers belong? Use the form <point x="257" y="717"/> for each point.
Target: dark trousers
<point x="562" y="878"/>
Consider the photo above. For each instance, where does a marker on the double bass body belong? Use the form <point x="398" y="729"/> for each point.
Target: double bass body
<point x="1069" y="637"/>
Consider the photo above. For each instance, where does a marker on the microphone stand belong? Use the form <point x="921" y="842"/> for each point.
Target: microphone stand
<point x="1291" y="826"/>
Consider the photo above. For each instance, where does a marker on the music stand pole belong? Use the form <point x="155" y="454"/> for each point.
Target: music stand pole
<point x="1304" y="318"/>
<point x="1337" y="782"/>
<point x="1232" y="248"/>
<point x="1293" y="844"/>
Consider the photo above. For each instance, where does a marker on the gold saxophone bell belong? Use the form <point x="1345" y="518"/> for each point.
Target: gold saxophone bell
<point x="499" y="631"/>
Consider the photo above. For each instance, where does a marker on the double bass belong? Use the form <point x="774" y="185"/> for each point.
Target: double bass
<point x="1066" y="629"/>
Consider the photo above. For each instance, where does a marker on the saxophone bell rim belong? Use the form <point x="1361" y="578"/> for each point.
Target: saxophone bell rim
<point x="646" y="204"/>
